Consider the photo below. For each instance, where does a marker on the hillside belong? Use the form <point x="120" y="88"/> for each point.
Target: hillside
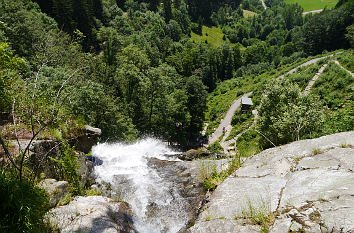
<point x="103" y="97"/>
<point x="310" y="77"/>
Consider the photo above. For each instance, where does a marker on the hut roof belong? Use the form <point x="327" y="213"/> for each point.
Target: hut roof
<point x="246" y="101"/>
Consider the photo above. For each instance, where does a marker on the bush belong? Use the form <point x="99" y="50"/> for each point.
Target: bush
<point x="22" y="205"/>
<point x="69" y="168"/>
<point x="240" y="117"/>
<point x="286" y="115"/>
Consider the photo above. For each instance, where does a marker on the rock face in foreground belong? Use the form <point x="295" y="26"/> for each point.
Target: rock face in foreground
<point x="55" y="189"/>
<point x="92" y="214"/>
<point x="305" y="186"/>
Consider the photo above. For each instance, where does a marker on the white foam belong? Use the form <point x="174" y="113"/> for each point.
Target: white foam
<point x="130" y="161"/>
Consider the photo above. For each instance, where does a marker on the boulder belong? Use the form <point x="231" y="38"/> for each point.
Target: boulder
<point x="304" y="186"/>
<point x="92" y="214"/>
<point x="88" y="138"/>
<point x="40" y="158"/>
<point x="56" y="190"/>
<point x="41" y="162"/>
<point x="195" y="154"/>
<point x="85" y="170"/>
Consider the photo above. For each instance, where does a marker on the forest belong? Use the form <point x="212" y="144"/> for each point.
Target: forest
<point x="132" y="69"/>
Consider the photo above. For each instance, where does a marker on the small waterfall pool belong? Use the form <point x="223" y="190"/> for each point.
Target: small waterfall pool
<point x="130" y="171"/>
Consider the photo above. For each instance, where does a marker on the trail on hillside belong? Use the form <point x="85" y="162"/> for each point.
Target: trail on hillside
<point x="225" y="124"/>
<point x="313" y="80"/>
<point x="313" y="11"/>
<point x="264" y="5"/>
<point x="337" y="62"/>
<point x="320" y="71"/>
<point x="225" y="127"/>
<point x="306" y="64"/>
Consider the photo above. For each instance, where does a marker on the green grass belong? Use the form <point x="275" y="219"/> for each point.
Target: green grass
<point x="213" y="35"/>
<point x="346" y="60"/>
<point x="211" y="176"/>
<point x="220" y="100"/>
<point x="310" y="5"/>
<point x="335" y="87"/>
<point x="240" y="122"/>
<point x="248" y="144"/>
<point x="304" y="74"/>
<point x="248" y="14"/>
<point x="259" y="213"/>
<point x="22" y="205"/>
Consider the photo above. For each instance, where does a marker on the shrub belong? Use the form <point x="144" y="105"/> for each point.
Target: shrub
<point x="286" y="115"/>
<point x="69" y="168"/>
<point x="22" y="205"/>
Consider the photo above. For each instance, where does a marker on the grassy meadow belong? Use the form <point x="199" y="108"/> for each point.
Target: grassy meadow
<point x="310" y="5"/>
<point x="213" y="35"/>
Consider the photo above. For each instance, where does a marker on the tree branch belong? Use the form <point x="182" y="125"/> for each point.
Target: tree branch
<point x="2" y="142"/>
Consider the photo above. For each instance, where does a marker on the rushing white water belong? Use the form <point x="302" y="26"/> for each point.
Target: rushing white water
<point x="154" y="201"/>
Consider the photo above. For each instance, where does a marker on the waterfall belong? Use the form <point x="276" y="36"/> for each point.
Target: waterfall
<point x="155" y="201"/>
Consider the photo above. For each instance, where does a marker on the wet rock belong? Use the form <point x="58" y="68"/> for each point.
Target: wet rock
<point x="183" y="178"/>
<point x="85" y="170"/>
<point x="56" y="190"/>
<point x="92" y="214"/>
<point x="195" y="154"/>
<point x="192" y="154"/>
<point x="42" y="160"/>
<point x="306" y="185"/>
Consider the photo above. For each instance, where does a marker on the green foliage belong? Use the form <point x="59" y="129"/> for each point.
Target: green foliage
<point x="25" y="25"/>
<point x="240" y="122"/>
<point x="215" y="147"/>
<point x="286" y="115"/>
<point x="212" y="176"/>
<point x="350" y="35"/>
<point x="22" y="205"/>
<point x="335" y="89"/>
<point x="259" y="213"/>
<point x="69" y="166"/>
<point x="248" y="143"/>
<point x="310" y="5"/>
<point x="346" y="59"/>
<point x="213" y="35"/>
<point x="9" y="75"/>
<point x="303" y="75"/>
<point x="330" y="24"/>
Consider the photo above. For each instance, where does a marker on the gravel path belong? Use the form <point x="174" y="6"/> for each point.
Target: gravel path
<point x="314" y="11"/>
<point x="313" y="80"/>
<point x="337" y="62"/>
<point x="225" y="124"/>
<point x="305" y="64"/>
<point x="264" y="5"/>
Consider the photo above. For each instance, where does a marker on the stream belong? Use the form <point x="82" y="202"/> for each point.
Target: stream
<point x="163" y="192"/>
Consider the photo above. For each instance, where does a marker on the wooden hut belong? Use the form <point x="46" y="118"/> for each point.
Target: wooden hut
<point x="246" y="103"/>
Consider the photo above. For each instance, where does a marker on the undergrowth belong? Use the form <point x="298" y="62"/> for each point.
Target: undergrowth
<point x="259" y="214"/>
<point x="22" y="205"/>
<point x="212" y="176"/>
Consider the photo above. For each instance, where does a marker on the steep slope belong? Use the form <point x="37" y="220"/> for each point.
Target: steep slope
<point x="305" y="185"/>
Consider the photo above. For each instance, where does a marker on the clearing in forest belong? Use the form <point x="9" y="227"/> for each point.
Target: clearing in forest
<point x="310" y="5"/>
<point x="213" y="35"/>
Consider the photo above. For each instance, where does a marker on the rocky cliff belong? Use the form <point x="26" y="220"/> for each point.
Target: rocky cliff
<point x="305" y="186"/>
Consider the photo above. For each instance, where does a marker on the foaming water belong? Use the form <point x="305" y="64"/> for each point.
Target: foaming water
<point x="155" y="202"/>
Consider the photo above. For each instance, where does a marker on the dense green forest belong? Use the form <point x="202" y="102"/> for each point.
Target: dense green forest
<point x="132" y="65"/>
<point x="132" y="69"/>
